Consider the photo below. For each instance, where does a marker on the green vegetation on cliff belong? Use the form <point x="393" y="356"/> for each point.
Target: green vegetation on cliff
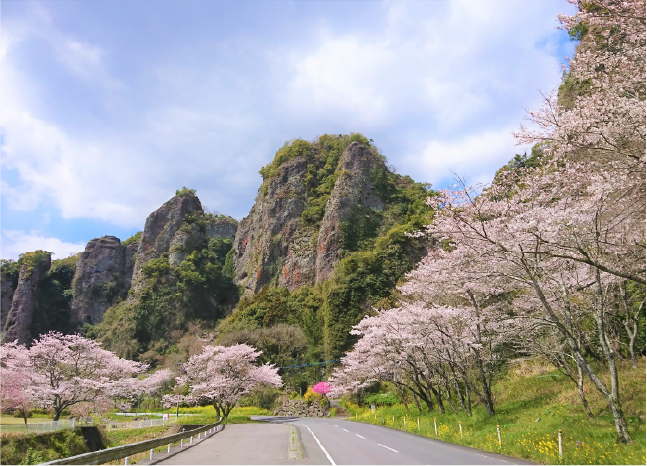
<point x="200" y="288"/>
<point x="375" y="251"/>
<point x="54" y="296"/>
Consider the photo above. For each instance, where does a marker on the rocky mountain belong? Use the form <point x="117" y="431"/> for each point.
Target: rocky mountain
<point x="278" y="244"/>
<point x="24" y="302"/>
<point x="329" y="211"/>
<point x="103" y="274"/>
<point x="107" y="272"/>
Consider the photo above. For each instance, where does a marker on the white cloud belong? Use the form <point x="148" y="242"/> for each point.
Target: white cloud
<point x="82" y="59"/>
<point x="438" y="85"/>
<point x="476" y="156"/>
<point x="17" y="242"/>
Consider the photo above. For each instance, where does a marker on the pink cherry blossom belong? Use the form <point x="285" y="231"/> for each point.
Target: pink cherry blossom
<point x="222" y="374"/>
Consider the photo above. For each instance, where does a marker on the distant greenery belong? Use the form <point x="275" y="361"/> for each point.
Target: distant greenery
<point x="185" y="192"/>
<point x="133" y="239"/>
<point x="9" y="271"/>
<point x="30" y="260"/>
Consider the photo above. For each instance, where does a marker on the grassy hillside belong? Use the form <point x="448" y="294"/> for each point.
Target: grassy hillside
<point x="533" y="403"/>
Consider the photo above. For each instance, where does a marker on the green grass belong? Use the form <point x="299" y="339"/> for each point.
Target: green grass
<point x="525" y="394"/>
<point x="30" y="420"/>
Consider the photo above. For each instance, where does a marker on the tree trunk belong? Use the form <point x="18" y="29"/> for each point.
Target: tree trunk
<point x="580" y="389"/>
<point x="612" y="397"/>
<point x="439" y="399"/>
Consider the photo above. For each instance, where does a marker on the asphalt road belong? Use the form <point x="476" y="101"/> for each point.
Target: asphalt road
<point x="288" y="440"/>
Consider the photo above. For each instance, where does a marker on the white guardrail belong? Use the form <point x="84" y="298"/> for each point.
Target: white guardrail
<point x="125" y="451"/>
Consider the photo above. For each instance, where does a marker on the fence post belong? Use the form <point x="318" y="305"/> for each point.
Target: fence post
<point x="151" y="454"/>
<point x="460" y="427"/>
<point x="435" y="427"/>
<point x="560" y="443"/>
<point x="498" y="431"/>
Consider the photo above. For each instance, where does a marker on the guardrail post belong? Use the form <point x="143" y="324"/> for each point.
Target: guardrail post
<point x="151" y="454"/>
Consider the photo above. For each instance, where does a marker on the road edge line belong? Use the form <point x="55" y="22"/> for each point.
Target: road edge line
<point x="322" y="447"/>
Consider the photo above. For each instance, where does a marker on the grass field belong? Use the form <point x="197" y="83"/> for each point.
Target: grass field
<point x="533" y="403"/>
<point x="19" y="420"/>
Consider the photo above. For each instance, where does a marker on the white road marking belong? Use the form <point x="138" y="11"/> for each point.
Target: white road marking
<point x="496" y="459"/>
<point x="344" y="430"/>
<point x="388" y="448"/>
<point x="322" y="448"/>
<point x="361" y="436"/>
<point x="335" y="425"/>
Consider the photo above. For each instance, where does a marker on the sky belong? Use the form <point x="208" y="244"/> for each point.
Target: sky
<point x="108" y="107"/>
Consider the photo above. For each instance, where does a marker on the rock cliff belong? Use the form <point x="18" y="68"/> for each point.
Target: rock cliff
<point x="159" y="233"/>
<point x="6" y="297"/>
<point x="101" y="276"/>
<point x="276" y="246"/>
<point x="353" y="192"/>
<point x="25" y="298"/>
<point x="272" y="244"/>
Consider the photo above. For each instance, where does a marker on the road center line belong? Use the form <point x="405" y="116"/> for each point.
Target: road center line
<point x="388" y="448"/>
<point x="361" y="436"/>
<point x="345" y="430"/>
<point x="335" y="425"/>
<point x="322" y="448"/>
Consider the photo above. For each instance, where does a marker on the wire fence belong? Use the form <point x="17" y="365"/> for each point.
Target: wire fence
<point x="36" y="428"/>
<point x="53" y="426"/>
<point x="136" y="424"/>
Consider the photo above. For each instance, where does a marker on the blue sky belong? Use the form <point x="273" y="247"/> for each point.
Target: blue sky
<point x="109" y="106"/>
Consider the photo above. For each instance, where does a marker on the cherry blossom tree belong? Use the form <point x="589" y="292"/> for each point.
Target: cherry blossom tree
<point x="605" y="119"/>
<point x="71" y="369"/>
<point x="175" y="400"/>
<point x="512" y="235"/>
<point x="16" y="379"/>
<point x="133" y="391"/>
<point x="323" y="388"/>
<point x="222" y="374"/>
<point x="429" y="350"/>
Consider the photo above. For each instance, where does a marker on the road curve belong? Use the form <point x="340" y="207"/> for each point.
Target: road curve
<point x="346" y="442"/>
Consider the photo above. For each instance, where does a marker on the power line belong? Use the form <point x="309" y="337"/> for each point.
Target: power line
<point x="311" y="364"/>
